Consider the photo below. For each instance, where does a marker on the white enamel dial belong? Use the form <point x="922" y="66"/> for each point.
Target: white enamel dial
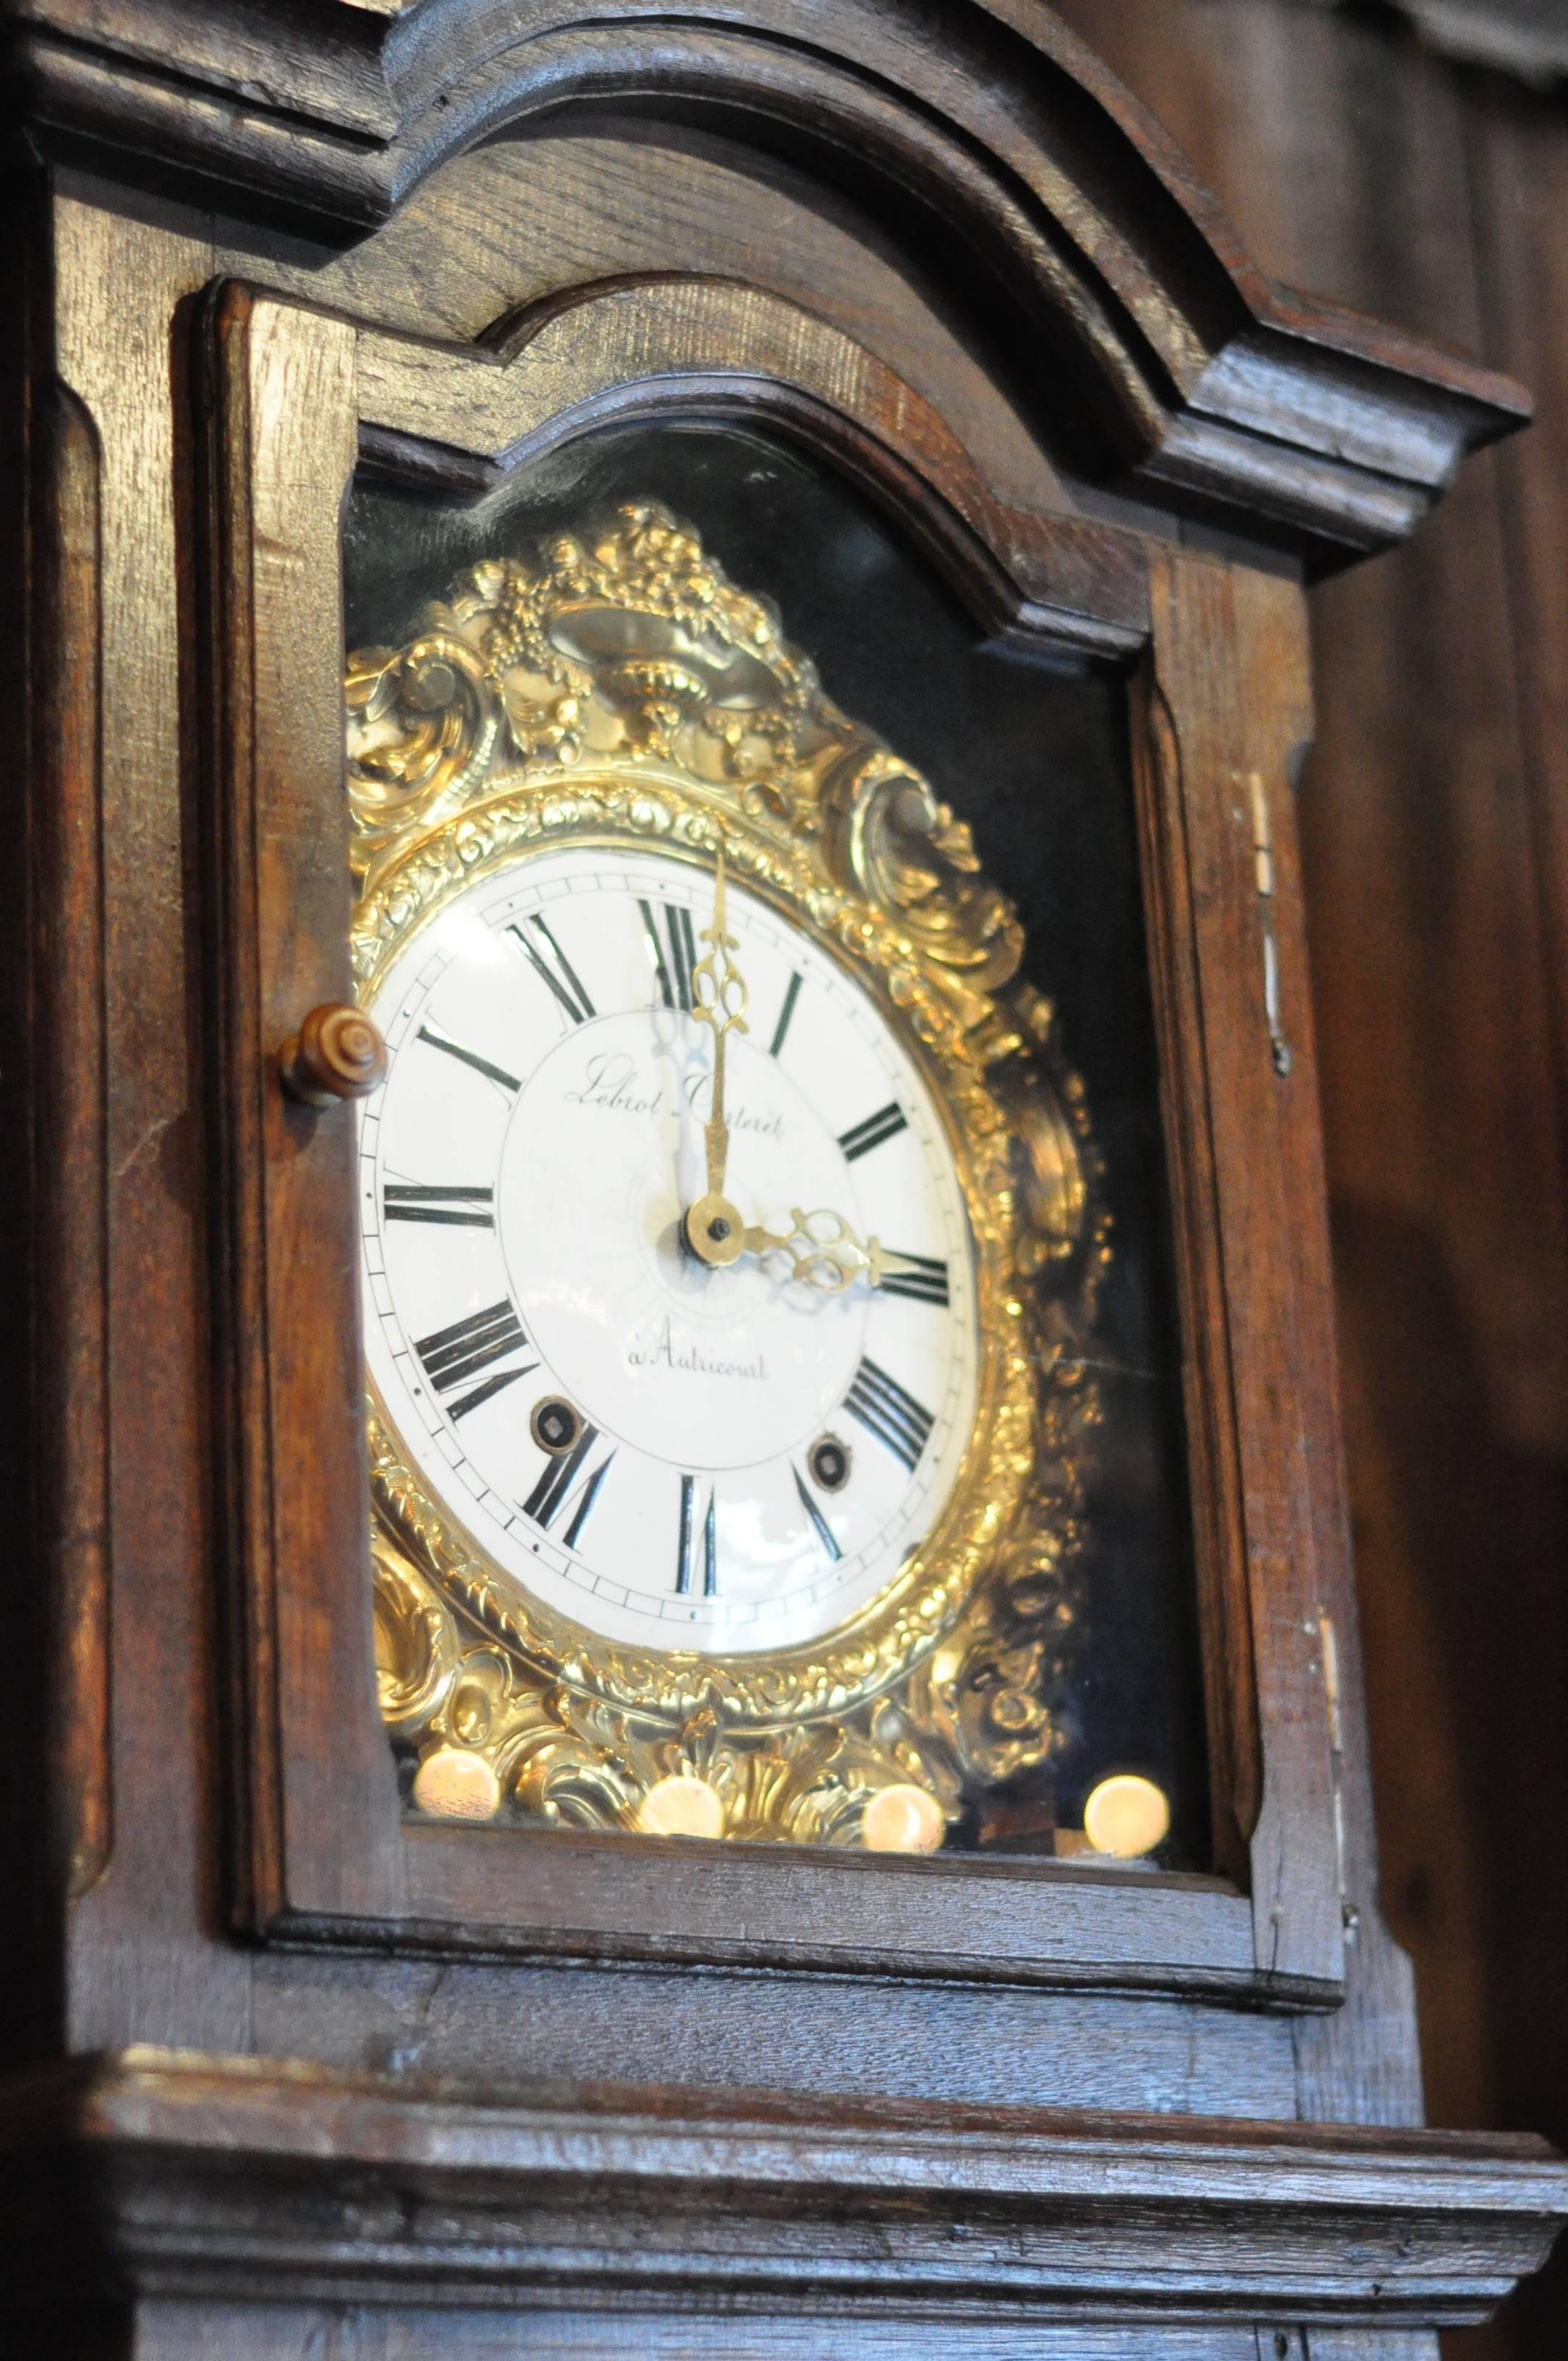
<point x="718" y="1459"/>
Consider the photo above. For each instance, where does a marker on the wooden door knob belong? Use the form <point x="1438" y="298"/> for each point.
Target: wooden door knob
<point x="337" y="1053"/>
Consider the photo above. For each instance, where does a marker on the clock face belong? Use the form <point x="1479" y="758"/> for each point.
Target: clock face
<point x="725" y="1459"/>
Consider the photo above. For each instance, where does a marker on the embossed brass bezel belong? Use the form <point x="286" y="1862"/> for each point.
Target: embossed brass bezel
<point x="618" y="691"/>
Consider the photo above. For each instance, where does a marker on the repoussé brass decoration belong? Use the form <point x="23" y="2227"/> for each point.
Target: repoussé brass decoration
<point x="616" y="688"/>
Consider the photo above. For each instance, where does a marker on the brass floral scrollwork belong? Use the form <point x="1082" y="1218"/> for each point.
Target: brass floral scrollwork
<point x="421" y="725"/>
<point x="891" y="840"/>
<point x="615" y="688"/>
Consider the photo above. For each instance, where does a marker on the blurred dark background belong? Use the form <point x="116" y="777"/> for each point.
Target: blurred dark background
<point x="1372" y="155"/>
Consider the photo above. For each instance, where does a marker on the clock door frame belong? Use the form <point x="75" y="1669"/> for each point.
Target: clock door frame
<point x="293" y="400"/>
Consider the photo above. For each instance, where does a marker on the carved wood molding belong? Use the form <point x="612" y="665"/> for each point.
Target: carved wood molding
<point x="70" y="1224"/>
<point x="160" y="2172"/>
<point x="462" y="420"/>
<point x="1172" y="364"/>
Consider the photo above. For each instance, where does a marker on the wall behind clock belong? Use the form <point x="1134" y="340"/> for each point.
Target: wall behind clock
<point x="1359" y="163"/>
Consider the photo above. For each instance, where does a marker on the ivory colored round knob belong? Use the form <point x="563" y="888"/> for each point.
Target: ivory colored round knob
<point x="681" y="1806"/>
<point x="453" y="1784"/>
<point x="1126" y="1816"/>
<point x="903" y="1818"/>
<point x="337" y="1053"/>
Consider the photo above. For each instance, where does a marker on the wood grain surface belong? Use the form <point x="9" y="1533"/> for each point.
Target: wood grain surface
<point x="134" y="1933"/>
<point x="1173" y="360"/>
<point x="988" y="220"/>
<point x="1434" y="814"/>
<point x="69" y="1178"/>
<point x="281" y="451"/>
<point x="231" y="2178"/>
<point x="684" y="345"/>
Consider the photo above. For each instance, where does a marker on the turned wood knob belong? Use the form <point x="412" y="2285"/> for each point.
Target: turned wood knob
<point x="337" y="1053"/>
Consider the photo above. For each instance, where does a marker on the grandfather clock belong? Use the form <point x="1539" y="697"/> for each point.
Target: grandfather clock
<point x="682" y="1671"/>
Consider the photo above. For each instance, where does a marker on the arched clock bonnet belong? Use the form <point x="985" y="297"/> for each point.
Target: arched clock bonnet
<point x="1151" y="351"/>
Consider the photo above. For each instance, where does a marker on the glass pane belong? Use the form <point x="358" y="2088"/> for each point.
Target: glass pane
<point x="798" y="1456"/>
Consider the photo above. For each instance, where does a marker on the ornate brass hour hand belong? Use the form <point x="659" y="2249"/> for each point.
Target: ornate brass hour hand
<point x="719" y="994"/>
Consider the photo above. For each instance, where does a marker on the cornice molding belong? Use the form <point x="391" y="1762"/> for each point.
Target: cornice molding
<point x="160" y="2172"/>
<point x="1174" y="367"/>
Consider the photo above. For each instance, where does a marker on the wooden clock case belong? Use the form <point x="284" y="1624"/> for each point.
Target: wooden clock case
<point x="289" y="2073"/>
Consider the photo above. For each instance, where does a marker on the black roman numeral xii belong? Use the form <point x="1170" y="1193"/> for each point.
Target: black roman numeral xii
<point x="553" y="969"/>
<point x="673" y="950"/>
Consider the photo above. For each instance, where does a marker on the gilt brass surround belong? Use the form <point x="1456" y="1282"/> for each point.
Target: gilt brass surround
<point x="615" y="689"/>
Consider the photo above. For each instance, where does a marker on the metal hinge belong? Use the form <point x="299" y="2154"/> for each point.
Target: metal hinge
<point x="1263" y="873"/>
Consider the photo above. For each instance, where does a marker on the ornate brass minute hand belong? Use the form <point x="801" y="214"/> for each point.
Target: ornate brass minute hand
<point x="718" y="996"/>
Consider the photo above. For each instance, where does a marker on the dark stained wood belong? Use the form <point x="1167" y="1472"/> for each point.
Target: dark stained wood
<point x="1172" y="358"/>
<point x="1361" y="2059"/>
<point x="1230" y="1664"/>
<point x="36" y="1844"/>
<point x="1213" y="679"/>
<point x="506" y="226"/>
<point x="211" y="2177"/>
<point x="1518" y="1504"/>
<point x="958" y="198"/>
<point x="662" y="346"/>
<point x="312" y="1782"/>
<point x="70" y="1181"/>
<point x="1435" y="818"/>
<point x="545" y="1893"/>
<point x="179" y="2330"/>
<point x="1519" y="158"/>
<point x="140" y="1941"/>
<point x="67" y="1184"/>
<point x="1355" y="2344"/>
<point x="994" y="2044"/>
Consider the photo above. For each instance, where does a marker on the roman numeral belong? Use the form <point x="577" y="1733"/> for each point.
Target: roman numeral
<point x="686" y="1539"/>
<point x="861" y="1137"/>
<point x="588" y="1495"/>
<point x="548" y="1496"/>
<point x="460" y="1207"/>
<point x="451" y="1356"/>
<point x="884" y="1409"/>
<point x="553" y="968"/>
<point x="922" y="1279"/>
<point x="469" y="1057"/>
<point x="785" y="1013"/>
<point x="676" y="957"/>
<point x="820" y="1525"/>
